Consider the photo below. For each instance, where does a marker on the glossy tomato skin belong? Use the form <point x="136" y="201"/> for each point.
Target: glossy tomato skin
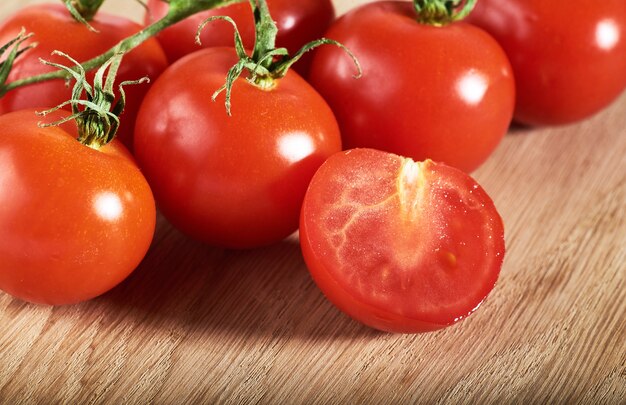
<point x="398" y="245"/>
<point x="443" y="93"/>
<point x="239" y="181"/>
<point x="299" y="22"/>
<point x="569" y="60"/>
<point x="74" y="221"/>
<point x="55" y="29"/>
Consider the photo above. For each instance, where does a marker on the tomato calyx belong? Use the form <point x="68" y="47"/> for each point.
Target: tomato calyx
<point x="442" y="12"/>
<point x="97" y="116"/>
<point x="267" y="63"/>
<point x="16" y="49"/>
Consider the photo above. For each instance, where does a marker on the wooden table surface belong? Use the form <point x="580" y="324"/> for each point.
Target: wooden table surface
<point x="195" y="323"/>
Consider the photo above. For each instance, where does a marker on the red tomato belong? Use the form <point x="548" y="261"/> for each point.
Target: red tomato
<point x="298" y="22"/>
<point x="55" y="29"/>
<point x="443" y="93"/>
<point x="236" y="181"/>
<point x="401" y="246"/>
<point x="74" y="221"/>
<point x="569" y="59"/>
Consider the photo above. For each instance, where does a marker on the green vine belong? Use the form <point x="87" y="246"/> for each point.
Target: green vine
<point x="178" y="10"/>
<point x="266" y="64"/>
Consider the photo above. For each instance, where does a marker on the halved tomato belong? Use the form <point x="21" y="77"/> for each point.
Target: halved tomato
<point x="401" y="246"/>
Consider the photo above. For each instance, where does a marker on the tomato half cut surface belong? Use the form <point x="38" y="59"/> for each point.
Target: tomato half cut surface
<point x="401" y="246"/>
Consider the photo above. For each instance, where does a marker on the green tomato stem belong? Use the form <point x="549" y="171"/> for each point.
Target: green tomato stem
<point x="266" y="32"/>
<point x="267" y="63"/>
<point x="442" y="12"/>
<point x="86" y="9"/>
<point x="178" y="10"/>
<point x="97" y="113"/>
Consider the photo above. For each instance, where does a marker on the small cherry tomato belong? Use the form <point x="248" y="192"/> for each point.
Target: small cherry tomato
<point x="74" y="221"/>
<point x="233" y="181"/>
<point x="399" y="245"/>
<point x="569" y="58"/>
<point x="298" y="22"/>
<point x="443" y="93"/>
<point x="55" y="29"/>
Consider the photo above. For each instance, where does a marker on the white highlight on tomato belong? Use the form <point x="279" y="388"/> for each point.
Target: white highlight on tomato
<point x="472" y="87"/>
<point x="295" y="147"/>
<point x="7" y="170"/>
<point x="288" y="22"/>
<point x="108" y="206"/>
<point x="11" y="192"/>
<point x="607" y="34"/>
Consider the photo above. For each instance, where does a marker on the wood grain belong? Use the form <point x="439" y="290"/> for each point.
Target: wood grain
<point x="199" y="324"/>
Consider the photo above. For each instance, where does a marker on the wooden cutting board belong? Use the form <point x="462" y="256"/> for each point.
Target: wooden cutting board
<point x="199" y="324"/>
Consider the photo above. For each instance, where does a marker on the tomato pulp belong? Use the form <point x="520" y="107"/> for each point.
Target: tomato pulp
<point x="55" y="29"/>
<point x="399" y="245"/>
<point x="443" y="93"/>
<point x="298" y="22"/>
<point x="569" y="59"/>
<point x="74" y="221"/>
<point x="233" y="181"/>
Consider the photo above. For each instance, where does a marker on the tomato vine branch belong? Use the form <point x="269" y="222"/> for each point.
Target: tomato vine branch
<point x="178" y="10"/>
<point x="267" y="62"/>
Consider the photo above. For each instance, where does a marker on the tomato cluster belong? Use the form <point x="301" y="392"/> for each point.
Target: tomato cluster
<point x="371" y="170"/>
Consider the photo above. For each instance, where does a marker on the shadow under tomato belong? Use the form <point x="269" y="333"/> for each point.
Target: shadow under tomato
<point x="265" y="291"/>
<point x="517" y="128"/>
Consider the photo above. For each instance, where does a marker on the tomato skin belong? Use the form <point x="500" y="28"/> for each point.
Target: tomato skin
<point x="238" y="181"/>
<point x="569" y="59"/>
<point x="74" y="221"/>
<point x="443" y="93"/>
<point x="299" y="22"/>
<point x="55" y="29"/>
<point x="397" y="245"/>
